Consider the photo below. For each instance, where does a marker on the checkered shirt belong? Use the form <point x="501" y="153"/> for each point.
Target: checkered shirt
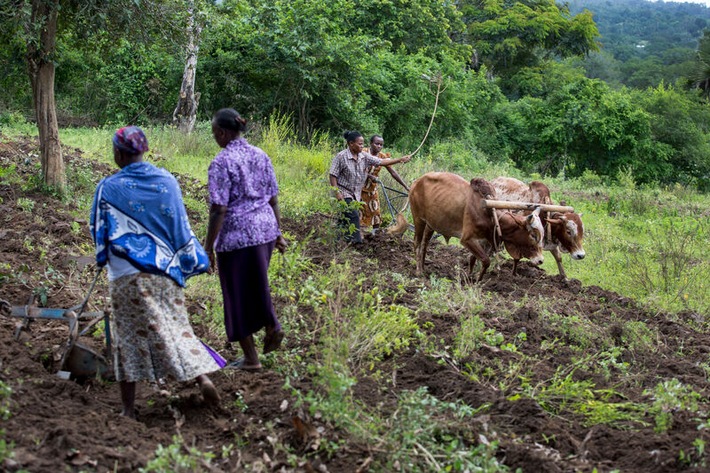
<point x="351" y="172"/>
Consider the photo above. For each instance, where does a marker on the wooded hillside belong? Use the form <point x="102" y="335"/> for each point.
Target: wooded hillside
<point x="532" y="82"/>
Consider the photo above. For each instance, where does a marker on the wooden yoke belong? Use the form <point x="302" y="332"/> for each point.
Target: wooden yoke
<point x="502" y="204"/>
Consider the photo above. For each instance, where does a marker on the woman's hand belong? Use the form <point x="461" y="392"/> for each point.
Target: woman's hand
<point x="213" y="264"/>
<point x="406" y="158"/>
<point x="281" y="243"/>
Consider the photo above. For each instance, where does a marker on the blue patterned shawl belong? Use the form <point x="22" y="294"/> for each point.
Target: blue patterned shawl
<point x="139" y="214"/>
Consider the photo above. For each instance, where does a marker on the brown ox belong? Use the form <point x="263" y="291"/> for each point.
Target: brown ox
<point x="566" y="231"/>
<point x="447" y="204"/>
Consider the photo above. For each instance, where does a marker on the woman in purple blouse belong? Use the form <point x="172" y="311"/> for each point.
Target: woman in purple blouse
<point x="244" y="229"/>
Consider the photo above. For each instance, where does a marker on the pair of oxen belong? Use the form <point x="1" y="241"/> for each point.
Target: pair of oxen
<point x="447" y="204"/>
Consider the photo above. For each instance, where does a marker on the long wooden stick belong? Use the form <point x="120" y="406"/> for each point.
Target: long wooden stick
<point x="503" y="204"/>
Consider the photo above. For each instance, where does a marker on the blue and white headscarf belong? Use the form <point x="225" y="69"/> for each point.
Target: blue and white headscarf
<point x="138" y="214"/>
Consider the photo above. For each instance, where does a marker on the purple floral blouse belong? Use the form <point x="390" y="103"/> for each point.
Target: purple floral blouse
<point x="242" y="179"/>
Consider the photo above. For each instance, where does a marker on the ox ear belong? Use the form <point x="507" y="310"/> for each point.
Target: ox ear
<point x="520" y="220"/>
<point x="555" y="218"/>
<point x="536" y="213"/>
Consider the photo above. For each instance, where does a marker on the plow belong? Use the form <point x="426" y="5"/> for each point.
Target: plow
<point x="77" y="360"/>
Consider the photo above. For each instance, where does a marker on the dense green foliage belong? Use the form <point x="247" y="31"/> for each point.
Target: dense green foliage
<point x="644" y="43"/>
<point x="510" y="36"/>
<point x="516" y="87"/>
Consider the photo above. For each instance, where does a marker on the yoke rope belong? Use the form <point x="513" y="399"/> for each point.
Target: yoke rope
<point x="439" y="79"/>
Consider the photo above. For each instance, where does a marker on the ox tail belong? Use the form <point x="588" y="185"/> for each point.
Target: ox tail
<point x="401" y="225"/>
<point x="406" y="206"/>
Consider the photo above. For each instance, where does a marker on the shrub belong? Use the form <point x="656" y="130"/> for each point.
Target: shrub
<point x="668" y="397"/>
<point x="670" y="263"/>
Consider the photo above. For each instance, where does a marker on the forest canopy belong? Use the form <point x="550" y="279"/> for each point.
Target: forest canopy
<point x="584" y="86"/>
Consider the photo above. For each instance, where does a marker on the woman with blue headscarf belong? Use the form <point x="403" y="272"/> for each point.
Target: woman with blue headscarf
<point x="142" y="234"/>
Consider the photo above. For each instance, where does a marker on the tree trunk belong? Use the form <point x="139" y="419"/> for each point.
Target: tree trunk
<point x="41" y="69"/>
<point x="185" y="113"/>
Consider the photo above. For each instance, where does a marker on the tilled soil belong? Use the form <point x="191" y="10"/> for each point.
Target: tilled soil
<point x="64" y="425"/>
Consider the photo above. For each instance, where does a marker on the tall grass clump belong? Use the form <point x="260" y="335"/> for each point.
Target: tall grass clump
<point x="444" y="296"/>
<point x="358" y="325"/>
<point x="426" y="434"/>
<point x="301" y="170"/>
<point x="672" y="266"/>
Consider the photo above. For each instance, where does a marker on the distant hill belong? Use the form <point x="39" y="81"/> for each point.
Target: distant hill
<point x="644" y="42"/>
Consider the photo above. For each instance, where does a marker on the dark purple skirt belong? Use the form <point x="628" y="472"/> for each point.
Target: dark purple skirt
<point x="243" y="275"/>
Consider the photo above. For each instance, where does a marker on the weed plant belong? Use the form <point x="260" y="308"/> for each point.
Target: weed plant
<point x="359" y="327"/>
<point x="178" y="458"/>
<point x="426" y="434"/>
<point x="673" y="263"/>
<point x="670" y="396"/>
<point x="473" y="334"/>
<point x="577" y="330"/>
<point x="564" y="393"/>
<point x="6" y="449"/>
<point x="451" y="297"/>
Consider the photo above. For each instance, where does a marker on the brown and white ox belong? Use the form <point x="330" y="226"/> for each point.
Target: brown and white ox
<point x="565" y="230"/>
<point x="446" y="203"/>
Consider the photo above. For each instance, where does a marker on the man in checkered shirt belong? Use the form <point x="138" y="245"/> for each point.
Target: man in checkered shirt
<point x="348" y="174"/>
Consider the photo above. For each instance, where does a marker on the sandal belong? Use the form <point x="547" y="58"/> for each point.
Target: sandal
<point x="272" y="341"/>
<point x="239" y="365"/>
